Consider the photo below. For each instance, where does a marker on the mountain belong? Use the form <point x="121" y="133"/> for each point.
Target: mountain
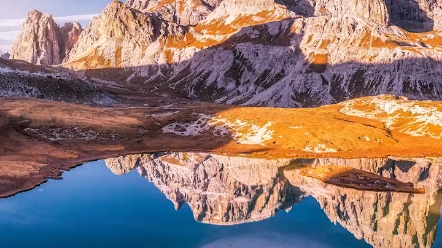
<point x="4" y="55"/>
<point x="277" y="53"/>
<point x="267" y="52"/>
<point x="43" y="42"/>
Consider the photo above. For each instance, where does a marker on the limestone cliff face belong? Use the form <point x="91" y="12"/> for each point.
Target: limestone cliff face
<point x="183" y="12"/>
<point x="69" y="35"/>
<point x="122" y="37"/>
<point x="42" y="41"/>
<point x="282" y="53"/>
<point x="417" y="16"/>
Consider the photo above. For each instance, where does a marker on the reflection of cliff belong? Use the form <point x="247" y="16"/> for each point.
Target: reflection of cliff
<point x="382" y="219"/>
<point x="234" y="190"/>
<point x="221" y="190"/>
<point x="125" y="164"/>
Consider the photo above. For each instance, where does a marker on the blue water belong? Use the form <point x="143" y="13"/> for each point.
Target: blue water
<point x="91" y="207"/>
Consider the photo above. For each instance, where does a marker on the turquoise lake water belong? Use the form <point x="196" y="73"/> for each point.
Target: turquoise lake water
<point x="92" y="207"/>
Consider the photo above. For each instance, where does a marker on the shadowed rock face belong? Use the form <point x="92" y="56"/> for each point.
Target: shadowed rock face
<point x="415" y="15"/>
<point x="21" y="79"/>
<point x="43" y="42"/>
<point x="234" y="190"/>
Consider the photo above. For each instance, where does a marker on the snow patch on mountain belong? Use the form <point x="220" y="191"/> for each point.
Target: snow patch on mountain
<point x="319" y="148"/>
<point x="241" y="131"/>
<point x="411" y="117"/>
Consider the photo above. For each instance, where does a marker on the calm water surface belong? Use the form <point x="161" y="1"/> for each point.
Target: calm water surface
<point x="92" y="207"/>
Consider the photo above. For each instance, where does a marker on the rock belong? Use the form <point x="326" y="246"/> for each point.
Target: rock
<point x="183" y="12"/>
<point x="281" y="53"/>
<point x="69" y="35"/>
<point x="43" y="42"/>
<point x="416" y="16"/>
<point x="121" y="37"/>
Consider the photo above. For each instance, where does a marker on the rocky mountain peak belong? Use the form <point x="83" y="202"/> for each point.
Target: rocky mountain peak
<point x="44" y="42"/>
<point x="120" y="37"/>
<point x="34" y="15"/>
<point x="284" y="53"/>
<point x="183" y="12"/>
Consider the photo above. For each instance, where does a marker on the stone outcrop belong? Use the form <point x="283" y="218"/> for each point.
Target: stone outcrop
<point x="416" y="15"/>
<point x="43" y="42"/>
<point x="281" y="53"/>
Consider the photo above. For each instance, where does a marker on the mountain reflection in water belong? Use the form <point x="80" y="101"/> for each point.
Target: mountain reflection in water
<point x="223" y="190"/>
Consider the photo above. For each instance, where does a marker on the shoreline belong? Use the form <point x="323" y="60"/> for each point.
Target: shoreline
<point x="41" y="139"/>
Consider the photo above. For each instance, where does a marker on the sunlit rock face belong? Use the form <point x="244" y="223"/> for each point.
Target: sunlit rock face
<point x="183" y="12"/>
<point x="122" y="37"/>
<point x="282" y="53"/>
<point x="43" y="42"/>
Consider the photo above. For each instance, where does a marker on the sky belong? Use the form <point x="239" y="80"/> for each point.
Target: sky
<point x="14" y="12"/>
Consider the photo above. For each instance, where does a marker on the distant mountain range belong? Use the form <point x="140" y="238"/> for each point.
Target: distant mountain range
<point x="5" y="55"/>
<point x="281" y="53"/>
